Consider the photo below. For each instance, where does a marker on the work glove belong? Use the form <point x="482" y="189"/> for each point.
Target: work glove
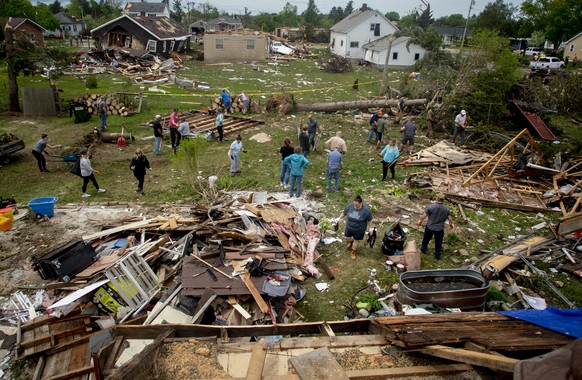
<point x="232" y="157"/>
<point x="132" y="167"/>
<point x="451" y="225"/>
<point x="370" y="231"/>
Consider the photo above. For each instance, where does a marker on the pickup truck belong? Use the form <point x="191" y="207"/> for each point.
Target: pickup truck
<point x="9" y="143"/>
<point x="546" y="63"/>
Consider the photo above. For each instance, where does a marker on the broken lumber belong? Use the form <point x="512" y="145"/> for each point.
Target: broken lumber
<point x="257" y="360"/>
<point x="255" y="293"/>
<point x="496" y="362"/>
<point x="356" y="104"/>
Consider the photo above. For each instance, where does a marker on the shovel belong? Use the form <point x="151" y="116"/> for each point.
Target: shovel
<point x="121" y="139"/>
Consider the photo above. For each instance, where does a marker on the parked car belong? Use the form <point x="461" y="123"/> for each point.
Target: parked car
<point x="530" y="51"/>
<point x="546" y="63"/>
<point x="279" y="48"/>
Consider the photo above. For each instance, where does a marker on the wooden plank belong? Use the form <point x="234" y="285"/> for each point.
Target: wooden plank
<point x="425" y="370"/>
<point x="203" y="304"/>
<point x="257" y="360"/>
<point x="339" y="341"/>
<point x="328" y="331"/>
<point x="318" y="364"/>
<point x="110" y="231"/>
<point x="471" y="357"/>
<point x="255" y="293"/>
<point x="239" y="308"/>
<point x="72" y="373"/>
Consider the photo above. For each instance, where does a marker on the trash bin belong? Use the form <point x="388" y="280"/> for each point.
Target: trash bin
<point x="393" y="240"/>
<point x="80" y="112"/>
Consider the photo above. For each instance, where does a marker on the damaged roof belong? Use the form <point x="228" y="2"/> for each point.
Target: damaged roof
<point x="160" y="27"/>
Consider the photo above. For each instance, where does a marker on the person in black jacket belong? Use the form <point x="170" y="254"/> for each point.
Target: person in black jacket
<point x="139" y="164"/>
<point x="304" y="141"/>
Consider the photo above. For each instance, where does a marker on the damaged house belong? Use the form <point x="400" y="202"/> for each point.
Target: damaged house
<point x="235" y="47"/>
<point x="156" y="35"/>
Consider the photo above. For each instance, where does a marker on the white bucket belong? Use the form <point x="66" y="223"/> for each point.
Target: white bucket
<point x="212" y="180"/>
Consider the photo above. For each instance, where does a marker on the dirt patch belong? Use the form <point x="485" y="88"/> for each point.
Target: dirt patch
<point x="193" y="359"/>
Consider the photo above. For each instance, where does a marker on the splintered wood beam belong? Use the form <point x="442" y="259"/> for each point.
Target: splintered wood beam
<point x="327" y="330"/>
<point x="255" y="293"/>
<point x="257" y="360"/>
<point x="496" y="362"/>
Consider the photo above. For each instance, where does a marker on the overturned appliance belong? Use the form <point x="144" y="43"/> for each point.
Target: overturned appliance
<point x="448" y="288"/>
<point x="65" y="261"/>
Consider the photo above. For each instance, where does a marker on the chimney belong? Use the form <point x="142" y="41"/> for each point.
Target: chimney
<point x="364" y="7"/>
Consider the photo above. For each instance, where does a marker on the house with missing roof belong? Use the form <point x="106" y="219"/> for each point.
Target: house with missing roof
<point x="156" y="35"/>
<point x="146" y="9"/>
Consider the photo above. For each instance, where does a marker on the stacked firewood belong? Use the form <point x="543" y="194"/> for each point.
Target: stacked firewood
<point x="237" y="104"/>
<point x="116" y="106"/>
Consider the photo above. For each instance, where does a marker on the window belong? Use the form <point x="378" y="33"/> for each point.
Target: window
<point x="75" y="27"/>
<point x="219" y="44"/>
<point x="416" y="56"/>
<point x="180" y="45"/>
<point x="250" y="44"/>
<point x="152" y="46"/>
<point x="571" y="48"/>
<point x="354" y="44"/>
<point x="172" y="44"/>
<point x="342" y="43"/>
<point x="128" y="41"/>
<point x="32" y="37"/>
<point x="164" y="47"/>
<point x="372" y="26"/>
<point x="151" y="15"/>
<point x="395" y="56"/>
<point x="375" y="28"/>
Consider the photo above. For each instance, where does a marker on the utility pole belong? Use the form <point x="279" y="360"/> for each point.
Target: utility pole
<point x="383" y="87"/>
<point x="471" y="4"/>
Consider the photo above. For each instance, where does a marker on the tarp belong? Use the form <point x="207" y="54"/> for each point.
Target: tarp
<point x="568" y="322"/>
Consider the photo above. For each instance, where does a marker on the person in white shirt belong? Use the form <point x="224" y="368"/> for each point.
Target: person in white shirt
<point x="460" y="126"/>
<point x="87" y="173"/>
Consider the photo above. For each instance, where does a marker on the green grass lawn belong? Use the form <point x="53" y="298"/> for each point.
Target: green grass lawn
<point x="170" y="182"/>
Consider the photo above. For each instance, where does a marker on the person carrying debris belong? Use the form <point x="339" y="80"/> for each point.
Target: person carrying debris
<point x="102" y="110"/>
<point x="381" y="125"/>
<point x="297" y="162"/>
<point x="437" y="213"/>
<point x="39" y="149"/>
<point x="337" y="142"/>
<point x="374" y="127"/>
<point x="389" y="156"/>
<point x="334" y="165"/>
<point x="226" y="100"/>
<point x="158" y="134"/>
<point x="173" y="127"/>
<point x="220" y="125"/>
<point x="138" y="165"/>
<point x="312" y="129"/>
<point x="359" y="217"/>
<point x="234" y="154"/>
<point x="409" y="130"/>
<point x="285" y="151"/>
<point x="304" y="141"/>
<point x="88" y="174"/>
<point x="460" y="126"/>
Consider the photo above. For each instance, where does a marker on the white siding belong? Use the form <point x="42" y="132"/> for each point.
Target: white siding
<point x="405" y="58"/>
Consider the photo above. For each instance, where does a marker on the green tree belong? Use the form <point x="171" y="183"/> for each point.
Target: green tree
<point x="454" y="20"/>
<point x="208" y="11"/>
<point x="559" y="19"/>
<point x="288" y="16"/>
<point x="497" y="16"/>
<point x="177" y="14"/>
<point x="392" y="16"/>
<point x="336" y="14"/>
<point x="349" y="9"/>
<point x="16" y="8"/>
<point x="425" y="19"/>
<point x="264" y="22"/>
<point x="56" y="7"/>
<point x="45" y="18"/>
<point x="537" y="39"/>
<point x="311" y="18"/>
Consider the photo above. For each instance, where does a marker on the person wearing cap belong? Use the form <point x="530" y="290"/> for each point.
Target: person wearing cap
<point x="337" y="142"/>
<point x="312" y="130"/>
<point x="359" y="217"/>
<point x="158" y="133"/>
<point x="374" y="127"/>
<point x="460" y="126"/>
<point x="304" y="141"/>
<point x="381" y="125"/>
<point x="437" y="213"/>
<point x="234" y="154"/>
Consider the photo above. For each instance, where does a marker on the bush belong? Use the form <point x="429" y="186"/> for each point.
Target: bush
<point x="91" y="82"/>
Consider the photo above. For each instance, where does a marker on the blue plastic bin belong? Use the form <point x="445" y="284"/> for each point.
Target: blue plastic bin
<point x="43" y="206"/>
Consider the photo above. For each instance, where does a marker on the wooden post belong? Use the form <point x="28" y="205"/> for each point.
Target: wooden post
<point x="141" y="89"/>
<point x="257" y="361"/>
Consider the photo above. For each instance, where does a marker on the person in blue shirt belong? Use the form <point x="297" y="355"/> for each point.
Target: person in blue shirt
<point x="226" y="100"/>
<point x="219" y="125"/>
<point x="297" y="162"/>
<point x="389" y="155"/>
<point x="334" y="165"/>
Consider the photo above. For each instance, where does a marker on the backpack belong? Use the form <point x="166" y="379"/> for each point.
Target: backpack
<point x="76" y="168"/>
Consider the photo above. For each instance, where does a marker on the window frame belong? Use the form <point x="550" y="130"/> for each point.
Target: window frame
<point x="354" y="44"/>
<point x="250" y="43"/>
<point x="395" y="56"/>
<point x="219" y="44"/>
<point x="153" y="44"/>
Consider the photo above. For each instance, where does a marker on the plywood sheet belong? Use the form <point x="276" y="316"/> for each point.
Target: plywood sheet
<point x="318" y="364"/>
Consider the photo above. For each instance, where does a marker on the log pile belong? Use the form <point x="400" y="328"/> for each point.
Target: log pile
<point x="237" y="105"/>
<point x="116" y="106"/>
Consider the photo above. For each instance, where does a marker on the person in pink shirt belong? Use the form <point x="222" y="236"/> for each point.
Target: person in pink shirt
<point x="173" y="125"/>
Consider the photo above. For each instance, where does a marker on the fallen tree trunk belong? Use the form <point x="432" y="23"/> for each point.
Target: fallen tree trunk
<point x="112" y="137"/>
<point x="356" y="104"/>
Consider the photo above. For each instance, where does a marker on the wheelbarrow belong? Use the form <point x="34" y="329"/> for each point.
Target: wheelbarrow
<point x="69" y="159"/>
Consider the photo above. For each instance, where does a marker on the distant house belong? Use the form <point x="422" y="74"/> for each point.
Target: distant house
<point x="157" y="35"/>
<point x="235" y="47"/>
<point x="146" y="9"/>
<point x="26" y="29"/>
<point x="198" y="28"/>
<point x="69" y="26"/>
<point x="348" y="36"/>
<point x="224" y="24"/>
<point x="453" y="34"/>
<point x="400" y="54"/>
<point x="573" y="47"/>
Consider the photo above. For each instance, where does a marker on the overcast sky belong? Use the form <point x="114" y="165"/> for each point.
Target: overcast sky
<point x="439" y="7"/>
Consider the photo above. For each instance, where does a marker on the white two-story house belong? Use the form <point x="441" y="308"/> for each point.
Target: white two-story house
<point x="145" y="9"/>
<point x="348" y="36"/>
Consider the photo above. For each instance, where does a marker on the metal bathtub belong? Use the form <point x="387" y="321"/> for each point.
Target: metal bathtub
<point x="449" y="288"/>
